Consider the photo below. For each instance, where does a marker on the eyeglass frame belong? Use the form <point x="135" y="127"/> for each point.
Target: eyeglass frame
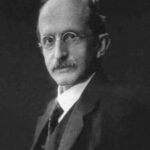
<point x="77" y="38"/>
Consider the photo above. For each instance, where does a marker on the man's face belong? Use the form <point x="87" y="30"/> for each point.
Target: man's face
<point x="67" y="62"/>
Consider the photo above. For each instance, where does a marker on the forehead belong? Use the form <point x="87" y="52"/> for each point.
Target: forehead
<point x="61" y="15"/>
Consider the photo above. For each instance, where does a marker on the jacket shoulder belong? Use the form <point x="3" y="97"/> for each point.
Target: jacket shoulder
<point x="118" y="100"/>
<point x="127" y="116"/>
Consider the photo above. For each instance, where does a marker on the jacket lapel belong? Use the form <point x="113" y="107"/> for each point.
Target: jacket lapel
<point x="42" y="121"/>
<point x="72" y="130"/>
<point x="84" y="106"/>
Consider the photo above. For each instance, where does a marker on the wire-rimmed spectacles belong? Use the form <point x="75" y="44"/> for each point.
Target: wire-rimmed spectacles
<point x="69" y="38"/>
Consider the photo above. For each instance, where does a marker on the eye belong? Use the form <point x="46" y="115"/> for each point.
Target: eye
<point x="48" y="41"/>
<point x="70" y="36"/>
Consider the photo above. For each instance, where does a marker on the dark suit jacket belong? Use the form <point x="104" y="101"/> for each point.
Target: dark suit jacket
<point x="106" y="117"/>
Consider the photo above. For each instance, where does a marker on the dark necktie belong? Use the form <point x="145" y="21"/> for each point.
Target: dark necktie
<point x="50" y="126"/>
<point x="53" y="122"/>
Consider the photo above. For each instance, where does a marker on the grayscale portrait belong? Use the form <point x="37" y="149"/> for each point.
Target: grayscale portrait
<point x="74" y="75"/>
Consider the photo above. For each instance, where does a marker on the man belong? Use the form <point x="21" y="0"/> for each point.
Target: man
<point x="96" y="115"/>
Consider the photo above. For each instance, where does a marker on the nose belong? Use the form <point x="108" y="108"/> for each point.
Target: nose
<point x="60" y="50"/>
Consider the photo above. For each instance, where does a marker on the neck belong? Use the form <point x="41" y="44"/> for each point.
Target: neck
<point x="64" y="88"/>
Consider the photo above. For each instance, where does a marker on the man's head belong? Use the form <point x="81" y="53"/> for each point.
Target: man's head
<point x="73" y="38"/>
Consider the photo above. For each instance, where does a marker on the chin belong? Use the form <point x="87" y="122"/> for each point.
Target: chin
<point x="66" y="80"/>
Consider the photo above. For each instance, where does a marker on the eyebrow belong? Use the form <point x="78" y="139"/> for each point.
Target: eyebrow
<point x="77" y="31"/>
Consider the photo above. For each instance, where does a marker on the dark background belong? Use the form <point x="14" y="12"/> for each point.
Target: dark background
<point x="24" y="81"/>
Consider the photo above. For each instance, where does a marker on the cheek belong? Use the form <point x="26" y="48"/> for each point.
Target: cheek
<point x="79" y="54"/>
<point x="83" y="53"/>
<point x="48" y="59"/>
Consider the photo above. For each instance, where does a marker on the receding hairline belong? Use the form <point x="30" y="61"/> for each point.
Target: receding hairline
<point x="100" y="21"/>
<point x="81" y="8"/>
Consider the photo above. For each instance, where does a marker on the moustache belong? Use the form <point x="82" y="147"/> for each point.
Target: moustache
<point x="61" y="65"/>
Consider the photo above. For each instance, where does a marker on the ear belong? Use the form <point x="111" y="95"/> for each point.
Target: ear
<point x="40" y="47"/>
<point x="104" y="42"/>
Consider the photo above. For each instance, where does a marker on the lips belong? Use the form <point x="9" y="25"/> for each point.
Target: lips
<point x="62" y="69"/>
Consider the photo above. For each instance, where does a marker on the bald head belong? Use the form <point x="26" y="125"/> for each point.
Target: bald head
<point x="66" y="9"/>
<point x="88" y="10"/>
<point x="54" y="4"/>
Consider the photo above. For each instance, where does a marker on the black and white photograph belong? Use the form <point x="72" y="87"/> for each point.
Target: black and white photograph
<point x="75" y="75"/>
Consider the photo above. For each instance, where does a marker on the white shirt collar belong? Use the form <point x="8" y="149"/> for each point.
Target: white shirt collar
<point x="68" y="98"/>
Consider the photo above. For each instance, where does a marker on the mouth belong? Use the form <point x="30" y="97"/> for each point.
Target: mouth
<point x="63" y="69"/>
